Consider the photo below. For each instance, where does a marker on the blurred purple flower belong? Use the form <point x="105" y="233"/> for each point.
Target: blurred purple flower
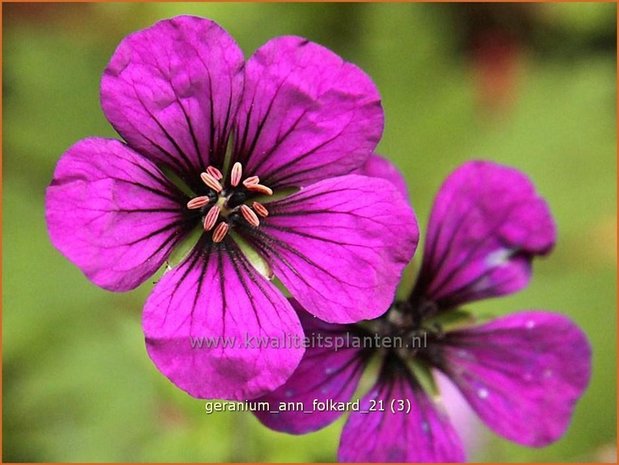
<point x="521" y="373"/>
<point x="294" y="120"/>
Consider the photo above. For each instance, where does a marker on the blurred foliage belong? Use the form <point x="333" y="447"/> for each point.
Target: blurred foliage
<point x="532" y="86"/>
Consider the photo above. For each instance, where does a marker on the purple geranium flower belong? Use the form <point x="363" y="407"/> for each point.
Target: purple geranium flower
<point x="521" y="373"/>
<point x="293" y="120"/>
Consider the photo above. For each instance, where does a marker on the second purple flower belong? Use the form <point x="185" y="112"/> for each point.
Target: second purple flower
<point x="522" y="373"/>
<point x="295" y="119"/>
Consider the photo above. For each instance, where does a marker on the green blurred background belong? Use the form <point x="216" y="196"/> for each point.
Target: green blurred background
<point x="531" y="86"/>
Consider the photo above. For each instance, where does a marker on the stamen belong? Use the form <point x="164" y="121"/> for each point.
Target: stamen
<point x="236" y="174"/>
<point x="260" y="189"/>
<point x="198" y="202"/>
<point x="220" y="231"/>
<point x="260" y="209"/>
<point x="250" y="181"/>
<point x="211" y="217"/>
<point x="211" y="182"/>
<point x="214" y="172"/>
<point x="249" y="215"/>
<point x="229" y="201"/>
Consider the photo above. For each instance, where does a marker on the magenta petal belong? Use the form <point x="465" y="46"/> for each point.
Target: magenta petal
<point x="522" y="373"/>
<point x="340" y="246"/>
<point x="306" y="114"/>
<point x="329" y="371"/>
<point x="465" y="421"/>
<point x="486" y="226"/>
<point x="113" y="213"/>
<point x="172" y="91"/>
<point x="420" y="433"/>
<point x="251" y="337"/>
<point x="379" y="167"/>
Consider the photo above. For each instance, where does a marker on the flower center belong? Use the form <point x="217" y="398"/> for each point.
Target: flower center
<point x="224" y="206"/>
<point x="411" y="333"/>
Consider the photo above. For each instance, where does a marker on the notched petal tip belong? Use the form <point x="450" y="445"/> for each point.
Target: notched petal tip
<point x="327" y="121"/>
<point x="156" y="91"/>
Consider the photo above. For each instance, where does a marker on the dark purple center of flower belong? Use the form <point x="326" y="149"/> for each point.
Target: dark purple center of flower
<point x="222" y="205"/>
<point x="408" y="321"/>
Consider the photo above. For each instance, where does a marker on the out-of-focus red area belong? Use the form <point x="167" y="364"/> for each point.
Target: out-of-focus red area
<point x="495" y="57"/>
<point x="494" y="40"/>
